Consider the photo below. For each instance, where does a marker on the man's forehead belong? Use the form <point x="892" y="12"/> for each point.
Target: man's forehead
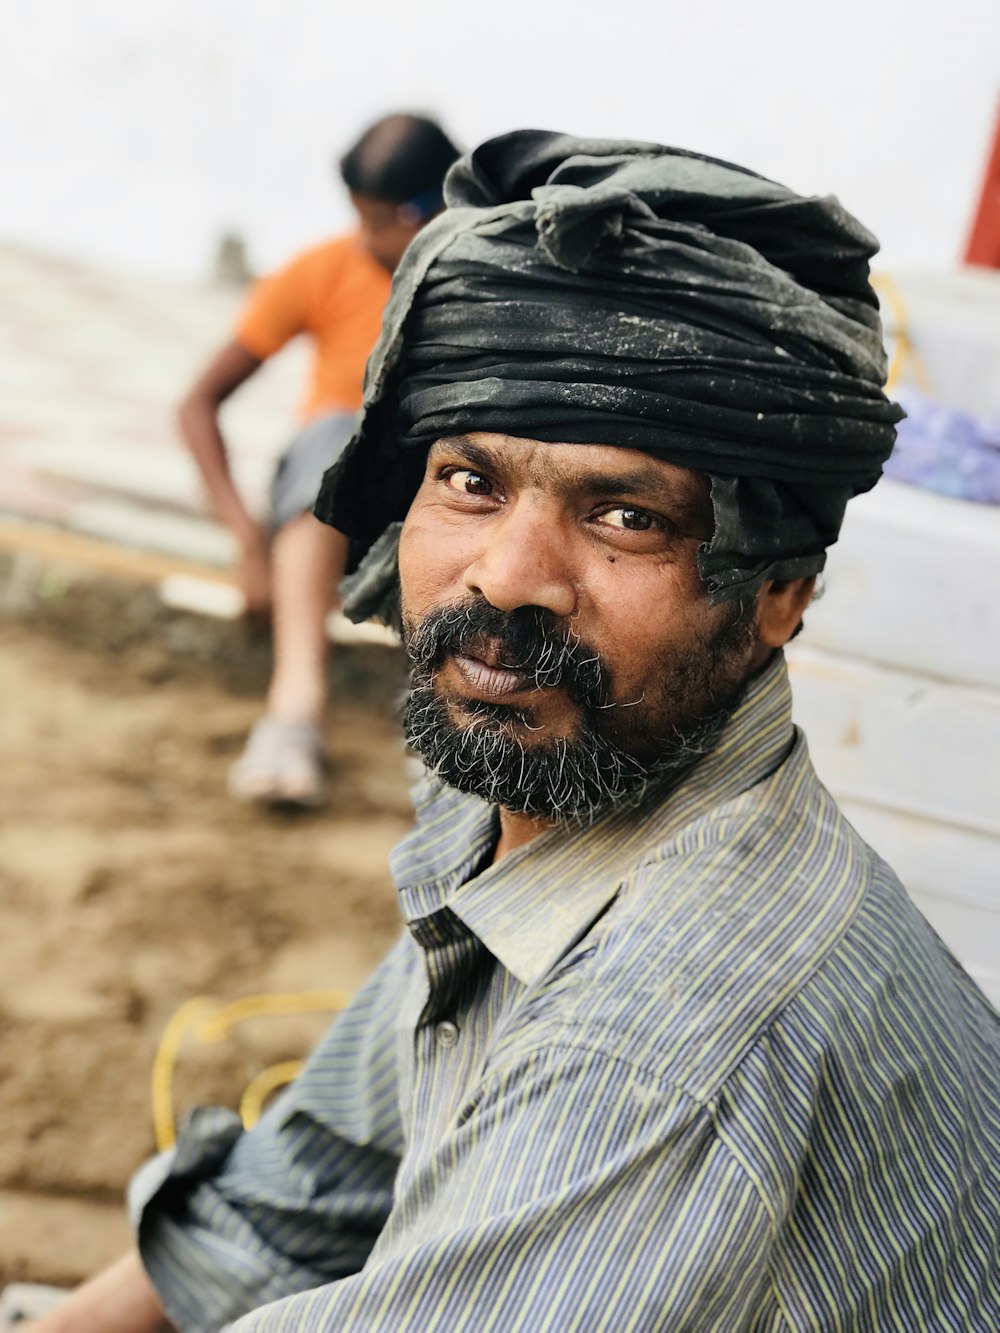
<point x="586" y="466"/>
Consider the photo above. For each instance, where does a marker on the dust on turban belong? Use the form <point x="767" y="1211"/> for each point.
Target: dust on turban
<point x="592" y="291"/>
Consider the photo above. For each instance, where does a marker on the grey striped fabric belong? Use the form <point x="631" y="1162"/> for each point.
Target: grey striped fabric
<point x="700" y="1067"/>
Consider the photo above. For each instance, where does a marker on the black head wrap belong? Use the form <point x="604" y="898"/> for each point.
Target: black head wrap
<point x="590" y="291"/>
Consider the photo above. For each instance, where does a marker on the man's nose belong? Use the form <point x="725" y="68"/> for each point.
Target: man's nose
<point x="523" y="561"/>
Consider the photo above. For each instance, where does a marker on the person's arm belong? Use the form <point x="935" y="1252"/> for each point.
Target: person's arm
<point x="231" y="1219"/>
<point x="572" y="1192"/>
<point x="120" y="1300"/>
<point x="198" y="417"/>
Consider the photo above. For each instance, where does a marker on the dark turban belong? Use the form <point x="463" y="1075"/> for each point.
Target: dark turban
<point x="594" y="292"/>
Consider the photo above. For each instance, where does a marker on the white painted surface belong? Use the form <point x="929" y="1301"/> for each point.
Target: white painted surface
<point x="896" y="683"/>
<point x="901" y="741"/>
<point x="914" y="583"/>
<point x="953" y="323"/>
<point x="169" y="478"/>
<point x="205" y="597"/>
<point x="212" y="597"/>
<point x="138" y="132"/>
<point x="144" y="529"/>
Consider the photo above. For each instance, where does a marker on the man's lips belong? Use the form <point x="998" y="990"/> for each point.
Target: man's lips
<point x="490" y="680"/>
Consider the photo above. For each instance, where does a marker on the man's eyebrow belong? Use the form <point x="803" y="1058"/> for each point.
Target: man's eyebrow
<point x="684" y="501"/>
<point x="470" y="452"/>
<point x="638" y="481"/>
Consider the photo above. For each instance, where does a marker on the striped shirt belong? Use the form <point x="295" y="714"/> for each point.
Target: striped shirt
<point x="699" y="1067"/>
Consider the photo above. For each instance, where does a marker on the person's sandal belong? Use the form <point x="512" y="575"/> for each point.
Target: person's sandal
<point x="283" y="763"/>
<point x="24" y="1301"/>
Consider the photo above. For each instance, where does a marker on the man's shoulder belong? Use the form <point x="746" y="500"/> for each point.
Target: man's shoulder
<point x="769" y="923"/>
<point x="722" y="927"/>
<point x="303" y="280"/>
<point x="735" y="915"/>
<point x="325" y="256"/>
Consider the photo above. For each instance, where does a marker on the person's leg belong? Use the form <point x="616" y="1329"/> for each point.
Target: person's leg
<point x="285" y="759"/>
<point x="307" y="563"/>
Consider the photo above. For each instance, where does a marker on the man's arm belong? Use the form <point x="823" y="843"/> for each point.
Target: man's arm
<point x="198" y="417"/>
<point x="120" y="1300"/>
<point x="575" y="1192"/>
<point x="230" y="1220"/>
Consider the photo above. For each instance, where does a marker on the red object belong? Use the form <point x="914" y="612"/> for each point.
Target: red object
<point x="983" y="246"/>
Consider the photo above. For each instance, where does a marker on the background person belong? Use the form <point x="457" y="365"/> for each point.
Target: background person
<point x="290" y="565"/>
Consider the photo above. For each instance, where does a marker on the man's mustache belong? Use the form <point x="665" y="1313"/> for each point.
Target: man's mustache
<point x="529" y="640"/>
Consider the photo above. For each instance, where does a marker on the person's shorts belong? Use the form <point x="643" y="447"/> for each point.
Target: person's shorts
<point x="297" y="477"/>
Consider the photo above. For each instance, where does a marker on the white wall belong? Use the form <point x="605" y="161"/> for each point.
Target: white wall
<point x="134" y="132"/>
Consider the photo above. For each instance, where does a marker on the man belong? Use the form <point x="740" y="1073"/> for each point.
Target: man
<point x="334" y="294"/>
<point x="665" y="1045"/>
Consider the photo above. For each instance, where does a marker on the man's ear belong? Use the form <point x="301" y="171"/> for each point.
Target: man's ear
<point x="780" y="609"/>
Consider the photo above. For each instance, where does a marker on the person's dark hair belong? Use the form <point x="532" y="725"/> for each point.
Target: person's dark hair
<point x="401" y="159"/>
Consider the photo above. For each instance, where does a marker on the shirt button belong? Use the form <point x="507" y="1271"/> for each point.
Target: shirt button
<point x="447" y="1034"/>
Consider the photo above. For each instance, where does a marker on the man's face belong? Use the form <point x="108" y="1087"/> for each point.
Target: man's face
<point x="386" y="228"/>
<point x="564" y="651"/>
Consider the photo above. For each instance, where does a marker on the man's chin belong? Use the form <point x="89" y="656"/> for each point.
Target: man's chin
<point x="523" y="723"/>
<point x="536" y="716"/>
<point x="495" y="752"/>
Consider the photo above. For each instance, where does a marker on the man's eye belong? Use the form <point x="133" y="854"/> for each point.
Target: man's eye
<point x="468" y="482"/>
<point x="634" y="520"/>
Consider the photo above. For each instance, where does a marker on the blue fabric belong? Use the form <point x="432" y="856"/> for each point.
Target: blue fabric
<point x="942" y="449"/>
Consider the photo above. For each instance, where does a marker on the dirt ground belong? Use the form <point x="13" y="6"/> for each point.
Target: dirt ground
<point x="129" y="883"/>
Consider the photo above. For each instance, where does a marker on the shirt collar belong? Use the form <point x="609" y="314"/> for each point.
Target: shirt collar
<point x="532" y="906"/>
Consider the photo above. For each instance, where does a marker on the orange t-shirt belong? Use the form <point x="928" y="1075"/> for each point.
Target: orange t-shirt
<point x="335" y="293"/>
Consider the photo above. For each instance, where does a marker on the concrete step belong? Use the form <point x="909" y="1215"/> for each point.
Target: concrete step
<point x="914" y="583"/>
<point x="144" y="528"/>
<point x="898" y="740"/>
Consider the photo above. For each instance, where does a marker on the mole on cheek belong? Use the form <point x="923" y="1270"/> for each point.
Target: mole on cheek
<point x="611" y="559"/>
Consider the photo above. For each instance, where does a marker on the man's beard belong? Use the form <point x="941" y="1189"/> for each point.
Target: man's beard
<point x="619" y="750"/>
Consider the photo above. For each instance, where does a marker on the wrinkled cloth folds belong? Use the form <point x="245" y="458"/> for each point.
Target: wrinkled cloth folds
<point x="588" y="291"/>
